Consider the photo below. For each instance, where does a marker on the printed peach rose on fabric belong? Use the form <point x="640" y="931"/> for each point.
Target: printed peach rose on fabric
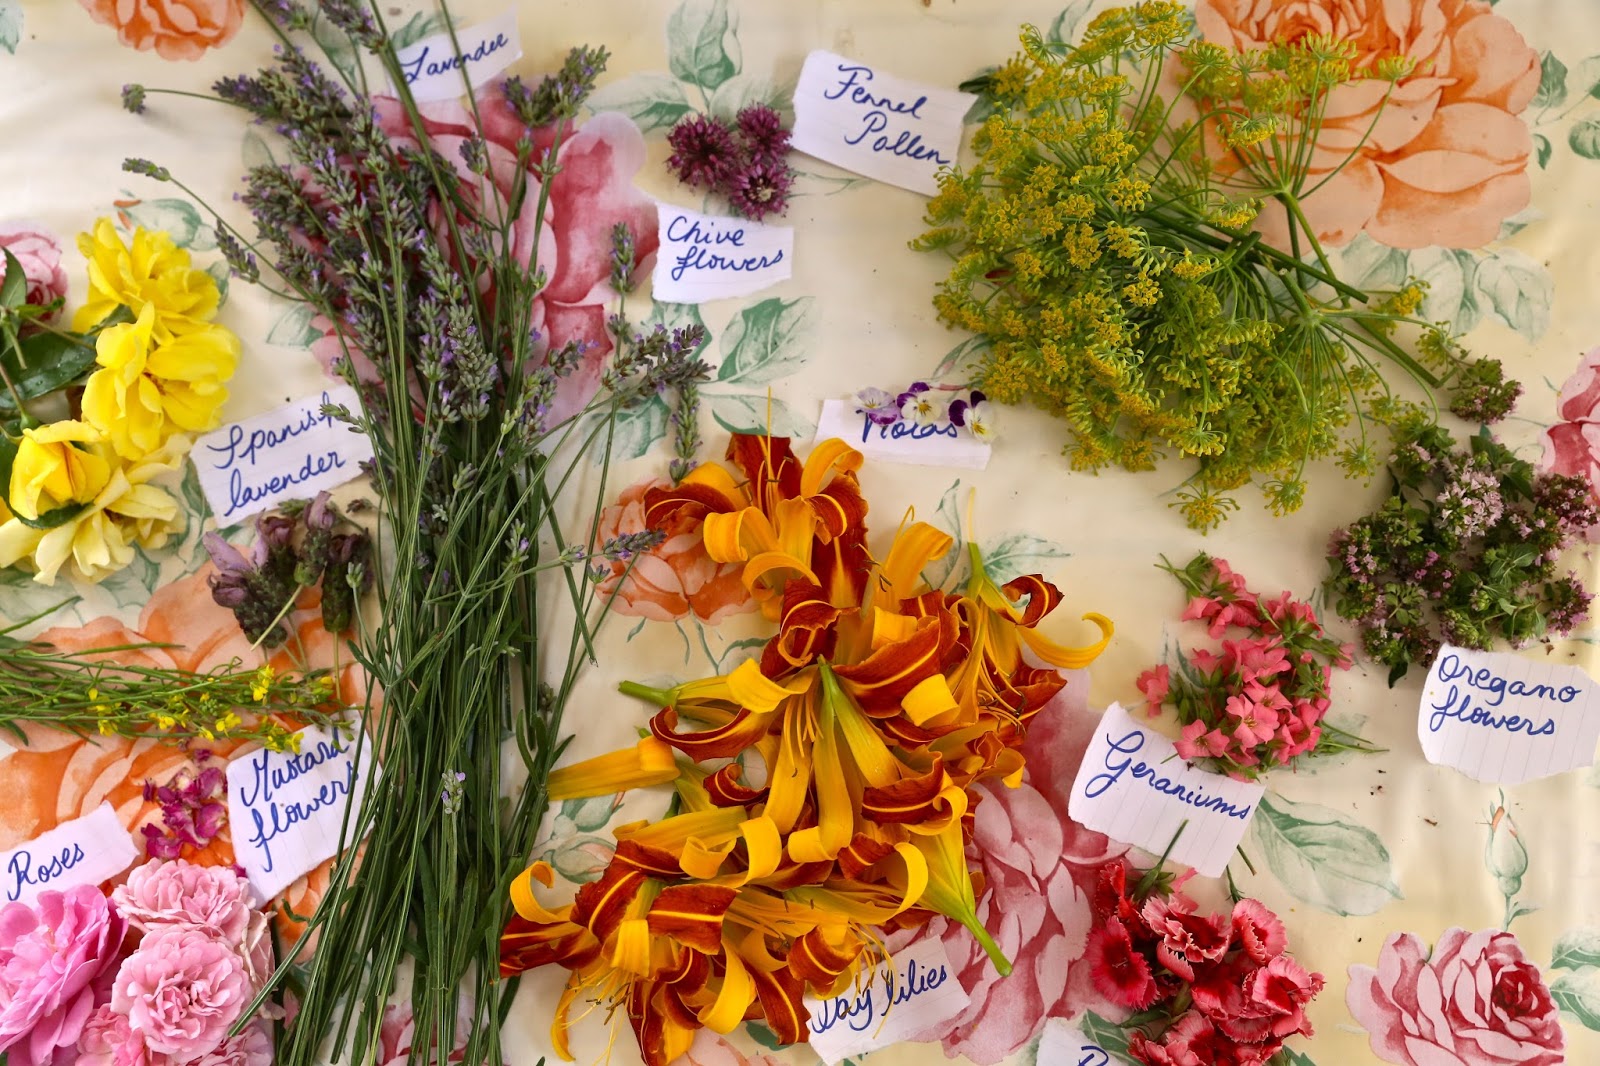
<point x="675" y="579"/>
<point x="1040" y="869"/>
<point x="1476" y="1001"/>
<point x="1572" y="446"/>
<point x="175" y="29"/>
<point x="1447" y="158"/>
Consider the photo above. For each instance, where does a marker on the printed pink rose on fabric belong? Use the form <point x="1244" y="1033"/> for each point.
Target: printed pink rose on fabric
<point x="40" y="255"/>
<point x="399" y="1029"/>
<point x="176" y="29"/>
<point x="50" y="953"/>
<point x="1447" y="159"/>
<point x="183" y="989"/>
<point x="183" y="893"/>
<point x="1572" y="446"/>
<point x="1040" y="868"/>
<point x="1477" y="1001"/>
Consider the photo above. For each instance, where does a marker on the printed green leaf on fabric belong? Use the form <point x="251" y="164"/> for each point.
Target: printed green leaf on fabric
<point x="735" y="94"/>
<point x="1575" y="949"/>
<point x="1542" y="149"/>
<point x="10" y="24"/>
<point x="1018" y="554"/>
<point x="1322" y="859"/>
<point x="653" y="101"/>
<point x="1577" y="992"/>
<point x="1584" y="138"/>
<point x="1064" y="27"/>
<point x="636" y="430"/>
<point x="750" y="414"/>
<point x="1552" y="90"/>
<point x="1111" y="1037"/>
<point x="583" y="859"/>
<point x="766" y="341"/>
<point x="702" y="43"/>
<point x="293" y="329"/>
<point x="179" y="218"/>
<point x="1517" y="290"/>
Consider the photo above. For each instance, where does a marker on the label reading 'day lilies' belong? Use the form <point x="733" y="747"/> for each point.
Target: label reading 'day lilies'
<point x="1507" y="719"/>
<point x="292" y="453"/>
<point x="886" y="128"/>
<point x="84" y="851"/>
<point x="432" y="67"/>
<point x="1133" y="787"/>
<point x="286" y="809"/>
<point x="892" y="1001"/>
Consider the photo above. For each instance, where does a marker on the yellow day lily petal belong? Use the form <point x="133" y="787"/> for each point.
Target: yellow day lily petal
<point x="879" y="768"/>
<point x="790" y="776"/>
<point x="796" y="524"/>
<point x="526" y="904"/>
<point x="728" y="537"/>
<point x="1069" y="658"/>
<point x="717" y="478"/>
<point x="917" y="545"/>
<point x="836" y="809"/>
<point x="749" y="687"/>
<point x="763" y="847"/>
<point x="630" y="950"/>
<point x="650" y="762"/>
<point x="890" y="628"/>
<point x="560" y="1028"/>
<point x="826" y="457"/>
<point x="930" y="697"/>
<point x="671" y="834"/>
<point x="702" y="859"/>
<point x="738" y="989"/>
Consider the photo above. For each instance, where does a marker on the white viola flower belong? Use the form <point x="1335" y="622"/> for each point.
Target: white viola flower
<point x="981" y="422"/>
<point x="921" y="409"/>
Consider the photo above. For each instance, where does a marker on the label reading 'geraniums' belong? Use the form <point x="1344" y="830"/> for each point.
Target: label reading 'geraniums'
<point x="84" y="851"/>
<point x="291" y="453"/>
<point x="1133" y="787"/>
<point x="1063" y="1044"/>
<point x="886" y="128"/>
<point x="937" y="444"/>
<point x="711" y="257"/>
<point x="432" y="68"/>
<point x="285" y="809"/>
<point x="1507" y="719"/>
<point x="890" y="1002"/>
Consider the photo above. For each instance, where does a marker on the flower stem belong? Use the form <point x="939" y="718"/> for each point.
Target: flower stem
<point x="1002" y="964"/>
<point x="659" y="696"/>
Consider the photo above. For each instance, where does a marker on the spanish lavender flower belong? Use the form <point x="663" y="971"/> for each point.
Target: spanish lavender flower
<point x="761" y="129"/>
<point x="760" y="189"/>
<point x="133" y="98"/>
<point x="344" y="577"/>
<point x="703" y="152"/>
<point x="312" y="558"/>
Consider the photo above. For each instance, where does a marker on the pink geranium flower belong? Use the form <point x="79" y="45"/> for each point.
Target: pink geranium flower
<point x="49" y="955"/>
<point x="1155" y="683"/>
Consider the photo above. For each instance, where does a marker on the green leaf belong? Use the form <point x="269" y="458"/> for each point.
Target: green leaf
<point x="749" y="414"/>
<point x="1367" y="264"/>
<point x="1542" y="149"/>
<point x="763" y="1036"/>
<point x="294" y="329"/>
<point x="194" y="497"/>
<point x="653" y="101"/>
<point x="14" y="289"/>
<point x="636" y="430"/>
<point x="1552" y="82"/>
<point x="1575" y="949"/>
<point x="1111" y="1037"/>
<point x="220" y="273"/>
<point x="963" y="360"/>
<point x="1588" y="76"/>
<point x="1289" y="1057"/>
<point x="48" y="363"/>
<point x="1577" y="992"/>
<point x="136" y="582"/>
<point x="177" y="217"/>
<point x="673" y="316"/>
<point x="1018" y="554"/>
<point x="1519" y="291"/>
<point x="1064" y="27"/>
<point x="1584" y="138"/>
<point x="420" y="25"/>
<point x="766" y="341"/>
<point x="703" y="43"/>
<point x="1322" y="859"/>
<point x="10" y="24"/>
<point x="735" y="94"/>
<point x="1452" y="296"/>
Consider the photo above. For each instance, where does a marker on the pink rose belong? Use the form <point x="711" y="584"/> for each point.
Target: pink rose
<point x="1572" y="447"/>
<point x="108" y="1040"/>
<point x="1476" y="1001"/>
<point x="1040" y="868"/>
<point x="183" y="989"/>
<point x="1447" y="159"/>
<point x="182" y="893"/>
<point x="40" y="255"/>
<point x="252" y="1047"/>
<point x="49" y="955"/>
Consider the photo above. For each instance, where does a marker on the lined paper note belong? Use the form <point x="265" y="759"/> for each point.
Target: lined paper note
<point x="1505" y="718"/>
<point x="894" y="999"/>
<point x="712" y="257"/>
<point x="1063" y="1044"/>
<point x="432" y="66"/>
<point x="84" y="851"/>
<point x="941" y="444"/>
<point x="1133" y="787"/>
<point x="886" y="128"/>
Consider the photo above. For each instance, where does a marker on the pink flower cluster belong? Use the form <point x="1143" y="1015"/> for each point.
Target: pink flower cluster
<point x="1230" y="994"/>
<point x="154" y="976"/>
<point x="1260" y="701"/>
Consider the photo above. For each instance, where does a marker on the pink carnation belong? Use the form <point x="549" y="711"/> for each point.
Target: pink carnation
<point x="49" y="955"/>
<point x="183" y="893"/>
<point x="183" y="989"/>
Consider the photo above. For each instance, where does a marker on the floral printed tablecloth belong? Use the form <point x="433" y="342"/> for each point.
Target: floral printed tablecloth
<point x="1397" y="879"/>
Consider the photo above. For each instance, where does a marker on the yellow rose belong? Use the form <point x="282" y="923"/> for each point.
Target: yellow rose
<point x="127" y="511"/>
<point x="154" y="272"/>
<point x="140" y="396"/>
<point x="49" y="471"/>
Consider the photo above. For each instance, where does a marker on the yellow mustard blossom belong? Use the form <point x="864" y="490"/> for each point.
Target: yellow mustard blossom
<point x="153" y="271"/>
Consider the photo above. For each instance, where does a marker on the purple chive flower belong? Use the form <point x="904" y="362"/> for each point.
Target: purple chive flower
<point x="879" y="405"/>
<point x="760" y="189"/>
<point x="703" y="152"/>
<point x="762" y="130"/>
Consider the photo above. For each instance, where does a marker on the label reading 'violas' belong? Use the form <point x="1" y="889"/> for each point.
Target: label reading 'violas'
<point x="1133" y="787"/>
<point x="711" y="257"/>
<point x="84" y="851"/>
<point x="940" y="444"/>
<point x="891" y="1001"/>
<point x="889" y="129"/>
<point x="433" y="66"/>
<point x="1507" y="719"/>
<point x="291" y="453"/>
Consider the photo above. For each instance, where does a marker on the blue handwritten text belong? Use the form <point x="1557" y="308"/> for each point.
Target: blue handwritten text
<point x="1142" y="771"/>
<point x="24" y="870"/>
<point x="271" y="816"/>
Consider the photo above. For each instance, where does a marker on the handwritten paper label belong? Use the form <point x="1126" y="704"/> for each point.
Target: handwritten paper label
<point x="1133" y="787"/>
<point x="941" y="444"/>
<point x="891" y="1002"/>
<point x="1063" y="1044"/>
<point x="286" y="809"/>
<point x="84" y="851"/>
<point x="432" y="66"/>
<point x="711" y="257"/>
<point x="887" y="128"/>
<point x="293" y="452"/>
<point x="1507" y="719"/>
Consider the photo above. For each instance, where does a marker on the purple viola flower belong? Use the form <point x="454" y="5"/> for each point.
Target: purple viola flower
<point x="879" y="406"/>
<point x="960" y="410"/>
<point x="911" y="392"/>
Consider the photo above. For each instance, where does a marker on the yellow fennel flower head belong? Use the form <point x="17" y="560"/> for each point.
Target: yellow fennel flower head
<point x="151" y="270"/>
<point x="52" y="468"/>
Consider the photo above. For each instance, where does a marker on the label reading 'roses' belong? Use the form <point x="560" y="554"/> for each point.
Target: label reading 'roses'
<point x="1505" y="719"/>
<point x="84" y="851"/>
<point x="891" y="1001"/>
<point x="1063" y="1044"/>
<point x="291" y="453"/>
<point x="939" y="444"/>
<point x="886" y="128"/>
<point x="286" y="809"/>
<point x="710" y="257"/>
<point x="1133" y="787"/>
<point x="433" y="66"/>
